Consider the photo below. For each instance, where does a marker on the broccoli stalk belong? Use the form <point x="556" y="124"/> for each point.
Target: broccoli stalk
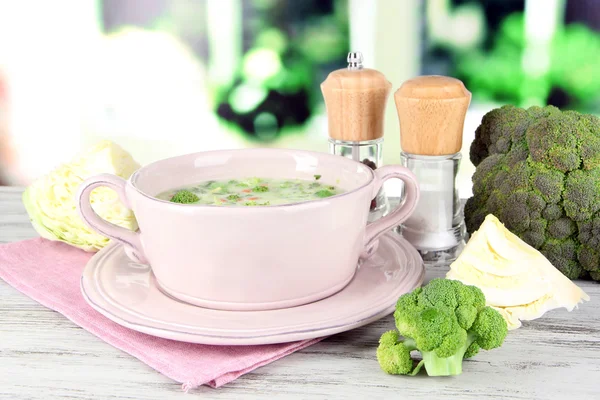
<point x="446" y="366"/>
<point x="446" y="321"/>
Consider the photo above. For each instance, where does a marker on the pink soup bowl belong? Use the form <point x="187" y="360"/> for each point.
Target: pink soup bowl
<point x="251" y="258"/>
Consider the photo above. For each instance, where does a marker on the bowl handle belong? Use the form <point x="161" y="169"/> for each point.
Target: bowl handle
<point x="400" y="214"/>
<point x="131" y="240"/>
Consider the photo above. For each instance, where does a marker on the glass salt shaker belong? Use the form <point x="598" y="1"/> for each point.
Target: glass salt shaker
<point x="431" y="111"/>
<point x="355" y="98"/>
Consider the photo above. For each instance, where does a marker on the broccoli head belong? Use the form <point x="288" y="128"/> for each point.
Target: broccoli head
<point x="184" y="197"/>
<point x="538" y="171"/>
<point x="446" y="321"/>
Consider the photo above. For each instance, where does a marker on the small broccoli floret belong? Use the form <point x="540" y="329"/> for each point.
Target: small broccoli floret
<point x="498" y="130"/>
<point x="471" y="301"/>
<point x="394" y="356"/>
<point x="562" y="228"/>
<point x="589" y="231"/>
<point x="476" y="213"/>
<point x="552" y="212"/>
<point x="445" y="321"/>
<point x="489" y="329"/>
<point x="552" y="141"/>
<point x="589" y="145"/>
<point x="184" y="197"/>
<point x="563" y="255"/>
<point x="549" y="183"/>
<point x="582" y="194"/>
<point x="405" y="307"/>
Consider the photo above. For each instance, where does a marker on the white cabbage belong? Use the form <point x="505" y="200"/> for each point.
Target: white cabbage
<point x="516" y="279"/>
<point x="50" y="201"/>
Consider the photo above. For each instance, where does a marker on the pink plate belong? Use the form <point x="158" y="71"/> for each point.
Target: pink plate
<point x="126" y="292"/>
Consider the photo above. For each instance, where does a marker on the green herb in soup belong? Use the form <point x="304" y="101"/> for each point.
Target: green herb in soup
<point x="251" y="192"/>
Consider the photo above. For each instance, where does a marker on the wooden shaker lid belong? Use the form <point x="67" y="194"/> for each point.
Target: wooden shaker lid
<point x="431" y="110"/>
<point x="355" y="99"/>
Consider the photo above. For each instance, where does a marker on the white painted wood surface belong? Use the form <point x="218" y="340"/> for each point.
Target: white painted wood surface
<point x="45" y="356"/>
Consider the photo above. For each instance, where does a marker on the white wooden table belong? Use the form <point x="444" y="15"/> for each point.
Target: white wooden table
<point x="45" y="356"/>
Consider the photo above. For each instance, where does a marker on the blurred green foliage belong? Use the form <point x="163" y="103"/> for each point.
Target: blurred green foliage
<point x="500" y="74"/>
<point x="576" y="61"/>
<point x="291" y="47"/>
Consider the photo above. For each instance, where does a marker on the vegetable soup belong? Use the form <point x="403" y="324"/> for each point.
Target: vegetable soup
<point x="251" y="192"/>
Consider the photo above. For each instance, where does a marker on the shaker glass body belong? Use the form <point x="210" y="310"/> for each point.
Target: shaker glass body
<point x="436" y="228"/>
<point x="370" y="153"/>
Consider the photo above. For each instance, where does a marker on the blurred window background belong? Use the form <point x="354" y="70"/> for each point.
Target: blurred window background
<point x="166" y="77"/>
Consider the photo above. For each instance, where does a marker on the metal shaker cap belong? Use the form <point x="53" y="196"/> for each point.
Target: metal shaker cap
<point x="355" y="60"/>
<point x="355" y="77"/>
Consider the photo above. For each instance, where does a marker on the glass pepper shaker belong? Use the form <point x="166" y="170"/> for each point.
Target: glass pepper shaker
<point x="431" y="111"/>
<point x="355" y="98"/>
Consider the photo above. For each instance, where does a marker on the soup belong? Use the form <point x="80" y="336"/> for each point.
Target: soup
<point x="251" y="192"/>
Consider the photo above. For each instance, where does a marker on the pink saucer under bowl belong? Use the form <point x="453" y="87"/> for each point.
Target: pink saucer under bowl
<point x="126" y="292"/>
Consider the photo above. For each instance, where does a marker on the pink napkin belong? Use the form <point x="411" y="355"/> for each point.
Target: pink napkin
<point x="49" y="272"/>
